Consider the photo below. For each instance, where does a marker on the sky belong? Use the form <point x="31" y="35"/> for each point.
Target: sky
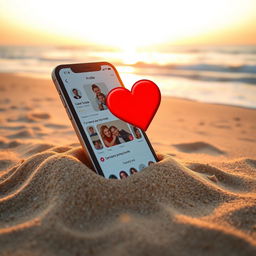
<point x="128" y="25"/>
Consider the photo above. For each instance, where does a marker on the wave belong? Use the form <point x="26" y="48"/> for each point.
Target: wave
<point x="40" y="59"/>
<point x="221" y="68"/>
<point x="250" y="69"/>
<point x="208" y="73"/>
<point x="202" y="63"/>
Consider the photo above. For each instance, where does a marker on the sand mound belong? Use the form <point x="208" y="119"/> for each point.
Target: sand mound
<point x="234" y="182"/>
<point x="52" y="204"/>
<point x="200" y="201"/>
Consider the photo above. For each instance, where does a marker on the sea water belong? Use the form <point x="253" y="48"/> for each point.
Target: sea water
<point x="214" y="74"/>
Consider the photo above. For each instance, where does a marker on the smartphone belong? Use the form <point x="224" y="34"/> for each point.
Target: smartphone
<point x="116" y="148"/>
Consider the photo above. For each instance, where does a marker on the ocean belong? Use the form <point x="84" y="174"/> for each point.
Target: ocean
<point x="213" y="74"/>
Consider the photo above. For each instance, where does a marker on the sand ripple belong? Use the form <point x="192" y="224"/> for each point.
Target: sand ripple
<point x="52" y="204"/>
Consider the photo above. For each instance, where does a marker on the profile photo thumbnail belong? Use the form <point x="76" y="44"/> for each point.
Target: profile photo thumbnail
<point x="97" y="94"/>
<point x="136" y="131"/>
<point x="76" y="93"/>
<point x="123" y="174"/>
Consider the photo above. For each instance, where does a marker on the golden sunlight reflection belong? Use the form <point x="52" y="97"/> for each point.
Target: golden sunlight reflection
<point x="130" y="56"/>
<point x="135" y="56"/>
<point x="126" y="69"/>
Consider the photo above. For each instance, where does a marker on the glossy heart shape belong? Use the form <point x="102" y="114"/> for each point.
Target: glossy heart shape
<point x="137" y="106"/>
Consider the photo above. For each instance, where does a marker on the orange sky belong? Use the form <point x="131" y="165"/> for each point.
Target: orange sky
<point x="127" y="25"/>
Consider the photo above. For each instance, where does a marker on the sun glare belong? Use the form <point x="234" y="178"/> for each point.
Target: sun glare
<point x="126" y="25"/>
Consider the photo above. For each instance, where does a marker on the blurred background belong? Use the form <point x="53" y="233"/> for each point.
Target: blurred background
<point x="198" y="49"/>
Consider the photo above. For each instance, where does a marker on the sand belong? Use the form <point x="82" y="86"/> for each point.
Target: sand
<point x="199" y="199"/>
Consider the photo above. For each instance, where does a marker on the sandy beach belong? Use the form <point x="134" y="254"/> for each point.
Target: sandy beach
<point x="199" y="199"/>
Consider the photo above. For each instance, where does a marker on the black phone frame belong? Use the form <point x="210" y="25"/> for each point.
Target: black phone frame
<point x="82" y="68"/>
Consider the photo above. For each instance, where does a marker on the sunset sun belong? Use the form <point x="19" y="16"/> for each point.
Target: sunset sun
<point x="138" y="25"/>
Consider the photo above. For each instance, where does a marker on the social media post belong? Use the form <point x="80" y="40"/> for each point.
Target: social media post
<point x="79" y="99"/>
<point x="88" y="92"/>
<point x="97" y="131"/>
<point x="85" y="101"/>
<point x="114" y="133"/>
<point x="120" y="148"/>
<point x="85" y="106"/>
<point x="124" y="163"/>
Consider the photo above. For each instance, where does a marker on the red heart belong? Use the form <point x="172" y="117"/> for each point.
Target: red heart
<point x="137" y="107"/>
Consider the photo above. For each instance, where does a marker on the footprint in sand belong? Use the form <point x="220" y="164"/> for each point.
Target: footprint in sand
<point x="5" y="101"/>
<point x="13" y="128"/>
<point x="202" y="133"/>
<point x="56" y="126"/>
<point x="237" y="119"/>
<point x="37" y="99"/>
<point x="198" y="147"/>
<point x="221" y="124"/>
<point x="222" y="178"/>
<point x="247" y="139"/>
<point x="50" y="99"/>
<point x="39" y="116"/>
<point x="27" y="133"/>
<point x="201" y="123"/>
<point x="6" y="144"/>
<point x="30" y="117"/>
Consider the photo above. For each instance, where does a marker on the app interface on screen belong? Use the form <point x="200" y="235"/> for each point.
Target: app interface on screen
<point x="119" y="147"/>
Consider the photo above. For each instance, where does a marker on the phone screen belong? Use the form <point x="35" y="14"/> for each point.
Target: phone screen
<point x="119" y="149"/>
